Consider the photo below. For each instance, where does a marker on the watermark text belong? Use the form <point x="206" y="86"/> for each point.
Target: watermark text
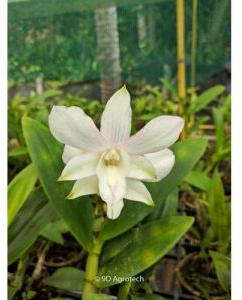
<point x="119" y="279"/>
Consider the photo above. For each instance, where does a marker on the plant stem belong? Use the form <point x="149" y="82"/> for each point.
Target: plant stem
<point x="124" y="291"/>
<point x="93" y="261"/>
<point x="181" y="70"/>
<point x="92" y="269"/>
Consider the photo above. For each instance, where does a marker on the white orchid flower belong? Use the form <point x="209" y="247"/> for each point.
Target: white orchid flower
<point x="109" y="162"/>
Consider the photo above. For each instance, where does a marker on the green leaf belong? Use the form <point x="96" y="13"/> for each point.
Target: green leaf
<point x="219" y="212"/>
<point x="152" y="241"/>
<point x="199" y="180"/>
<point x="205" y="98"/>
<point x="226" y="108"/>
<point x="52" y="233"/>
<point x="198" y="121"/>
<point x="19" y="189"/>
<point x="45" y="95"/>
<point x="222" y="265"/>
<point x="18" y="151"/>
<point x="11" y="292"/>
<point x="35" y="214"/>
<point x="187" y="153"/>
<point x="116" y="245"/>
<point x="46" y="153"/>
<point x="169" y="86"/>
<point x="171" y="205"/>
<point x="68" y="278"/>
<point x="219" y="124"/>
<point x="132" y="213"/>
<point x="61" y="226"/>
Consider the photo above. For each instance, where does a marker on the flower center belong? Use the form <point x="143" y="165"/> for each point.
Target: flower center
<point x="112" y="157"/>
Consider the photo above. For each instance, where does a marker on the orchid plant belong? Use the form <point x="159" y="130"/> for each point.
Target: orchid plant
<point x="109" y="162"/>
<point x="131" y="179"/>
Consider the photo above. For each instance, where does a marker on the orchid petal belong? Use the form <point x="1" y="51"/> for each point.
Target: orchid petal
<point x="112" y="185"/>
<point x="80" y="167"/>
<point x="114" y="209"/>
<point x="71" y="126"/>
<point x="85" y="186"/>
<point x="141" y="168"/>
<point x="163" y="162"/>
<point x="156" y="135"/>
<point x="137" y="191"/>
<point x="70" y="152"/>
<point x="116" y="118"/>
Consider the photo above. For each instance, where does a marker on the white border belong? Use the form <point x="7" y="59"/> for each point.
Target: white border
<point x="236" y="149"/>
<point x="3" y="147"/>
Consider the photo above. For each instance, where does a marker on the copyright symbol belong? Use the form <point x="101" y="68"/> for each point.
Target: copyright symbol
<point x="97" y="278"/>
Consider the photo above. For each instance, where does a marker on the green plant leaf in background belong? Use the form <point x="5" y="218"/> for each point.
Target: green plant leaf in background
<point x="52" y="233"/>
<point x="116" y="245"/>
<point x="71" y="279"/>
<point x="19" y="189"/>
<point x="38" y="99"/>
<point x="197" y="122"/>
<point x="187" y="153"/>
<point x="219" y="125"/>
<point x="19" y="151"/>
<point x="34" y="215"/>
<point x="222" y="265"/>
<point x="67" y="278"/>
<point x="152" y="241"/>
<point x="226" y="108"/>
<point x="46" y="153"/>
<point x="219" y="213"/>
<point x="15" y="282"/>
<point x="132" y="213"/>
<point x="199" y="180"/>
<point x="205" y="98"/>
<point x="170" y="205"/>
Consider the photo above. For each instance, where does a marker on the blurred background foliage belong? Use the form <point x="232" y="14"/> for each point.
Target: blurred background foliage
<point x="63" y="46"/>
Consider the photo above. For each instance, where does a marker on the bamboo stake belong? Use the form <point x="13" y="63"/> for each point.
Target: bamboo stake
<point x="194" y="45"/>
<point x="181" y="71"/>
<point x="193" y="55"/>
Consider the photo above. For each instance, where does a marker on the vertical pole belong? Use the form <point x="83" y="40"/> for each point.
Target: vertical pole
<point x="106" y="20"/>
<point x="142" y="27"/>
<point x="181" y="72"/>
<point x="194" y="45"/>
<point x="193" y="56"/>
